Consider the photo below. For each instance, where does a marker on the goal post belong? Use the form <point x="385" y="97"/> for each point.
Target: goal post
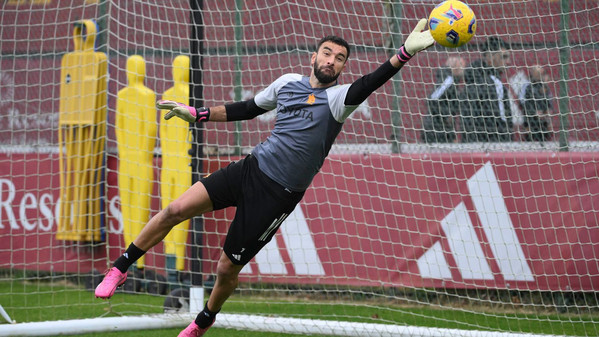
<point x="399" y="233"/>
<point x="259" y="323"/>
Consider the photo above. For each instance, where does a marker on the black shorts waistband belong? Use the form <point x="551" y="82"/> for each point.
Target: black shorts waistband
<point x="272" y="185"/>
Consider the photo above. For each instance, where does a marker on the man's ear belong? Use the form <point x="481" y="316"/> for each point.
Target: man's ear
<point x="313" y="59"/>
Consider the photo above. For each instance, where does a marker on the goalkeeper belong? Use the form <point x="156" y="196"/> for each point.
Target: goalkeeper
<point x="266" y="185"/>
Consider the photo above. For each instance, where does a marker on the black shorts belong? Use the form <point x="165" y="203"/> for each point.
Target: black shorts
<point x="262" y="205"/>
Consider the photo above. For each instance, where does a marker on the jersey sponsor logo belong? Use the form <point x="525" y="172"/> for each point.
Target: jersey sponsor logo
<point x="465" y="248"/>
<point x="298" y="112"/>
<point x="311" y="99"/>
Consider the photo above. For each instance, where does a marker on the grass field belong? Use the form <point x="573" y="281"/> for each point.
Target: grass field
<point x="30" y="302"/>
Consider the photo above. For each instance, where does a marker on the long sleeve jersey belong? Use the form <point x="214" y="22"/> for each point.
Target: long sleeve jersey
<point x="307" y="123"/>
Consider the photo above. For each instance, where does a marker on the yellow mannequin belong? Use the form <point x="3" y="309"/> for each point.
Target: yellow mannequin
<point x="175" y="176"/>
<point x="136" y="138"/>
<point x="81" y="136"/>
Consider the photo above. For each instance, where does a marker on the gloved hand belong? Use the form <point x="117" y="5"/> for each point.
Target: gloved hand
<point x="185" y="112"/>
<point x="417" y="40"/>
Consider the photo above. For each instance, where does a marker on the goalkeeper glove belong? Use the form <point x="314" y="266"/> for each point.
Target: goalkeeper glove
<point x="185" y="112"/>
<point x="417" y="40"/>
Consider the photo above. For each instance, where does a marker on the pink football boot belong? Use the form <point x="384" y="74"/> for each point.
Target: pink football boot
<point x="113" y="279"/>
<point x="193" y="330"/>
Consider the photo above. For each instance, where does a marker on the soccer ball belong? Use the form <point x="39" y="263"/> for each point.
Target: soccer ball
<point x="452" y="23"/>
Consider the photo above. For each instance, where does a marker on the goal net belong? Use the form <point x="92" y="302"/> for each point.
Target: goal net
<point x="412" y="227"/>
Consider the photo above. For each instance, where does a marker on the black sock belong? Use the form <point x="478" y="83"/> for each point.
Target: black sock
<point x="131" y="255"/>
<point x="206" y="317"/>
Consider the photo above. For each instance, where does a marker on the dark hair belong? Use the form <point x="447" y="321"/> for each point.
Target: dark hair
<point x="336" y="40"/>
<point x="494" y="43"/>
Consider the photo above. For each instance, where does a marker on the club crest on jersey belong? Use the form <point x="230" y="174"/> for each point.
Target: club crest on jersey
<point x="311" y="99"/>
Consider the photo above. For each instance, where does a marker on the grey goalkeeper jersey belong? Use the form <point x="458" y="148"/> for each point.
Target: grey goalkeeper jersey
<point x="307" y="123"/>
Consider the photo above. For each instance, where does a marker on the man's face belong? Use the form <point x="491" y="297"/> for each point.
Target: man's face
<point x="457" y="66"/>
<point x="537" y="74"/>
<point x="499" y="59"/>
<point x="328" y="62"/>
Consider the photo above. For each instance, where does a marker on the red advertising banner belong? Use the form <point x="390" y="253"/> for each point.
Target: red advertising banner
<point x="525" y="221"/>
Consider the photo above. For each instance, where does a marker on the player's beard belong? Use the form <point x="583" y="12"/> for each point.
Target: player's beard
<point x="322" y="77"/>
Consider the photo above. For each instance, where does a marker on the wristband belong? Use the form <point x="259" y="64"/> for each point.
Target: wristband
<point x="202" y="114"/>
<point x="402" y="55"/>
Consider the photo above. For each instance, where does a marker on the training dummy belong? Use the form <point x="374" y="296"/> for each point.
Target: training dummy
<point x="136" y="138"/>
<point x="175" y="175"/>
